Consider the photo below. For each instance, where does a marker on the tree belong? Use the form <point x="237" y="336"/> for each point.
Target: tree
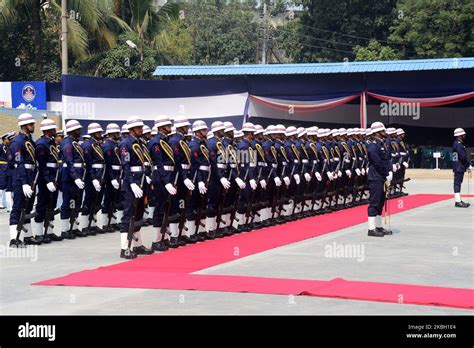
<point x="435" y="28"/>
<point x="375" y="51"/>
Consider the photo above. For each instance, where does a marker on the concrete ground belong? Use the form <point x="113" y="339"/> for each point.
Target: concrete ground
<point x="433" y="245"/>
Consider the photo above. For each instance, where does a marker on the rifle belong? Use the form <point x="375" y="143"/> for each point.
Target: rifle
<point x="236" y="201"/>
<point x="277" y="194"/>
<point x="94" y="202"/>
<point x="23" y="215"/>
<point x="182" y="217"/>
<point x="251" y="200"/>
<point x="220" y="207"/>
<point x="166" y="211"/>
<point x="77" y="205"/>
<point x="131" y="226"/>
<point x="47" y="218"/>
<point x="316" y="189"/>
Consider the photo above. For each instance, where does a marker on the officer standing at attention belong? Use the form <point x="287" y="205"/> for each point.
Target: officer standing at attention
<point x="5" y="190"/>
<point x="460" y="165"/>
<point x="22" y="162"/>
<point x="379" y="172"/>
<point x="72" y="178"/>
<point x="113" y="170"/>
<point x="47" y="156"/>
<point x="133" y="169"/>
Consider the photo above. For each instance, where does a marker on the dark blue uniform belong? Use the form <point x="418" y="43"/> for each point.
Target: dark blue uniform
<point x="113" y="170"/>
<point x="72" y="168"/>
<point x="200" y="167"/>
<point x="217" y="155"/>
<point x="133" y="171"/>
<point x="271" y="169"/>
<point x="95" y="166"/>
<point x="47" y="156"/>
<point x="3" y="167"/>
<point x="247" y="171"/>
<point x="164" y="172"/>
<point x="460" y="164"/>
<point x="379" y="169"/>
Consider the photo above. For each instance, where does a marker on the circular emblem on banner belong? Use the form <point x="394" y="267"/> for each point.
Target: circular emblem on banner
<point x="28" y="92"/>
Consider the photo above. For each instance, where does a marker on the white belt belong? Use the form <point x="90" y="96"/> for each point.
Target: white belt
<point x="284" y="163"/>
<point x="305" y="161"/>
<point x="347" y="160"/>
<point x="274" y="165"/>
<point x="75" y="165"/>
<point x="51" y="165"/>
<point x="186" y="166"/>
<point x="252" y="165"/>
<point x="29" y="166"/>
<point x="394" y="155"/>
<point x="262" y="164"/>
<point x="221" y="165"/>
<point x="146" y="164"/>
<point x="168" y="168"/>
<point x="336" y="159"/>
<point x="315" y="161"/>
<point x="98" y="166"/>
<point x="403" y="153"/>
<point x="206" y="168"/>
<point x="360" y="158"/>
<point x="136" y="169"/>
<point x="116" y="167"/>
<point x="296" y="161"/>
<point x="233" y="165"/>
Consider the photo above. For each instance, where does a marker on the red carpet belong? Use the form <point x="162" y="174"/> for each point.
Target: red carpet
<point x="170" y="270"/>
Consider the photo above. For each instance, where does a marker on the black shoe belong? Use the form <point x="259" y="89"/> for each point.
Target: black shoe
<point x="375" y="233"/>
<point x="211" y="235"/>
<point x="46" y="239"/>
<point x="193" y="239"/>
<point x="97" y="230"/>
<point x="54" y="237"/>
<point x="219" y="233"/>
<point x="183" y="240"/>
<point x="246" y="228"/>
<point x="68" y="235"/>
<point x="149" y="221"/>
<point x="383" y="230"/>
<point x="142" y="250"/>
<point x="461" y="204"/>
<point x="83" y="233"/>
<point x="201" y="236"/>
<point x="116" y="227"/>
<point x="159" y="246"/>
<point x="36" y="240"/>
<point x="15" y="243"/>
<point x="127" y="254"/>
<point x="108" y="229"/>
<point x="174" y="243"/>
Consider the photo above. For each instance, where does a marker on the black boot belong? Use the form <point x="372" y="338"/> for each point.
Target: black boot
<point x="36" y="240"/>
<point x="15" y="243"/>
<point x="383" y="230"/>
<point x="97" y="230"/>
<point x="142" y="250"/>
<point x="54" y="237"/>
<point x="201" y="236"/>
<point x="83" y="233"/>
<point x="183" y="240"/>
<point x="68" y="235"/>
<point x="46" y="239"/>
<point x="174" y="243"/>
<point x="193" y="239"/>
<point x="127" y="254"/>
<point x="108" y="229"/>
<point x="375" y="233"/>
<point x="159" y="246"/>
<point x="461" y="204"/>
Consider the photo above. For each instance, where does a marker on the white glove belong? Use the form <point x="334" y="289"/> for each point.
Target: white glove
<point x="297" y="178"/>
<point x="394" y="168"/>
<point x="286" y="180"/>
<point x="363" y="171"/>
<point x="115" y="184"/>
<point x="137" y="191"/>
<point x="470" y="168"/>
<point x="79" y="183"/>
<point x="27" y="191"/>
<point x="263" y="184"/>
<point x="253" y="184"/>
<point x="277" y="181"/>
<point x="357" y="170"/>
<point x="329" y="174"/>
<point x="405" y="164"/>
<point x="307" y="177"/>
<point x="225" y="183"/>
<point x="51" y="187"/>
<point x="96" y="184"/>
<point x="398" y="166"/>
<point x="339" y="173"/>
<point x="202" y="187"/>
<point x="389" y="177"/>
<point x="318" y="176"/>
<point x="171" y="189"/>
<point x="240" y="182"/>
<point x="189" y="184"/>
<point x="148" y="180"/>
<point x="348" y="173"/>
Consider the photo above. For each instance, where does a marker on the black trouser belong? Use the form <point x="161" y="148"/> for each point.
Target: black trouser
<point x="377" y="197"/>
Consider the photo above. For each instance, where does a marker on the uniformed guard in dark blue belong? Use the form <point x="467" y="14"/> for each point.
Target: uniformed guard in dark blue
<point x="72" y="173"/>
<point x="185" y="184"/>
<point x="292" y="156"/>
<point x="460" y="165"/>
<point x="47" y="156"/>
<point x="95" y="172"/>
<point x="133" y="171"/>
<point x="404" y="159"/>
<point x="200" y="168"/>
<point x="315" y="168"/>
<point x="22" y="161"/>
<point x="379" y="172"/>
<point x="326" y="161"/>
<point x="219" y="176"/>
<point x="144" y="139"/>
<point x="5" y="183"/>
<point x="271" y="172"/>
<point x="163" y="178"/>
<point x="113" y="171"/>
<point x="263" y="179"/>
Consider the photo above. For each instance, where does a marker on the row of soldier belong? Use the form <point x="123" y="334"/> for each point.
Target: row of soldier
<point x="190" y="183"/>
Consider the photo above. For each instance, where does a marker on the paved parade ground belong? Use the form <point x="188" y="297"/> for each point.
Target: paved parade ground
<point x="432" y="245"/>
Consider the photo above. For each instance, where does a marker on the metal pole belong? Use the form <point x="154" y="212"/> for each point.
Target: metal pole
<point x="264" y="46"/>
<point x="64" y="58"/>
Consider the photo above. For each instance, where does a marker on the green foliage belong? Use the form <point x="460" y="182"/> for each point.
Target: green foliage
<point x="375" y="51"/>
